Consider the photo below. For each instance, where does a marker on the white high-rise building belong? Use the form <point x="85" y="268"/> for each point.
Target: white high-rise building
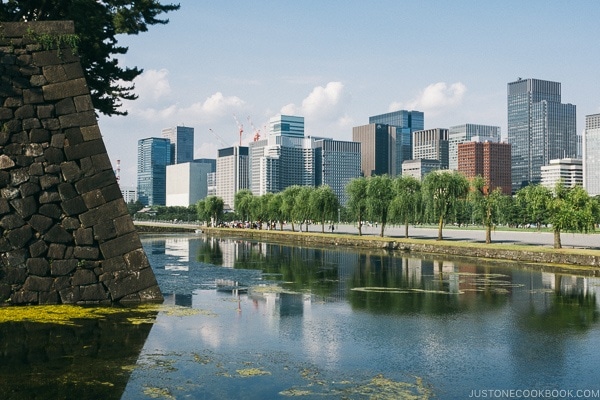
<point x="569" y="171"/>
<point x="231" y="174"/>
<point x="187" y="183"/>
<point x="464" y="133"/>
<point x="591" y="155"/>
<point x="431" y="144"/>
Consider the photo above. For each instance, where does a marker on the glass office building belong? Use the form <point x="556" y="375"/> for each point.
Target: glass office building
<point x="287" y="125"/>
<point x="406" y="123"/>
<point x="540" y="128"/>
<point x="182" y="143"/>
<point x="465" y="133"/>
<point x="154" y="154"/>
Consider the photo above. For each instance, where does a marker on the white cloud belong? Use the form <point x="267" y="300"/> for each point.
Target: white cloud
<point x="152" y="85"/>
<point x="435" y="98"/>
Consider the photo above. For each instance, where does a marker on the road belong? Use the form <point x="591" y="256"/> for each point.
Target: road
<point x="525" y="236"/>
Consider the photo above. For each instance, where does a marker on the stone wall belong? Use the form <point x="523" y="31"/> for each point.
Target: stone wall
<point x="65" y="233"/>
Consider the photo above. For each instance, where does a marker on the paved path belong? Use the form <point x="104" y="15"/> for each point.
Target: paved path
<point x="525" y="236"/>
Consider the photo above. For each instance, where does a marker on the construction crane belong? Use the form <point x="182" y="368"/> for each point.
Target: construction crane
<point x="221" y="141"/>
<point x="240" y="128"/>
<point x="256" y="131"/>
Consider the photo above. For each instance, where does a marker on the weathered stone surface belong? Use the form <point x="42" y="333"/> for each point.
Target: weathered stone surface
<point x="65" y="232"/>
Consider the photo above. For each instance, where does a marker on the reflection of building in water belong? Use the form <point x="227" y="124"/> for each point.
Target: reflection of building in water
<point x="235" y="249"/>
<point x="572" y="284"/>
<point x="179" y="249"/>
<point x="174" y="299"/>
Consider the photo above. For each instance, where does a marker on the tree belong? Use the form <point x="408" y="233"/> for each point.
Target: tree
<point x="97" y="24"/>
<point x="302" y="209"/>
<point x="571" y="210"/>
<point x="201" y="211"/>
<point x="535" y="199"/>
<point x="485" y="205"/>
<point x="357" y="203"/>
<point x="288" y="203"/>
<point x="242" y="201"/>
<point x="274" y="209"/>
<point x="442" y="192"/>
<point x="379" y="196"/>
<point x="406" y="205"/>
<point x="324" y="204"/>
<point x="214" y="208"/>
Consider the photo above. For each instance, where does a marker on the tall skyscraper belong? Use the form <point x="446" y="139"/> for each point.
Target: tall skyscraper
<point x="591" y="154"/>
<point x="540" y="128"/>
<point x="232" y="173"/>
<point x="405" y="122"/>
<point x="431" y="144"/>
<point x="154" y="154"/>
<point x="182" y="143"/>
<point x="287" y="125"/>
<point x="377" y="149"/>
<point x="464" y="133"/>
<point x="336" y="164"/>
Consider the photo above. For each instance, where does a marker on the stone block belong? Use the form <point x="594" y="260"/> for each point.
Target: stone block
<point x="70" y="295"/>
<point x="36" y="169"/>
<point x="124" y="225"/>
<point x="9" y="193"/>
<point x="93" y="293"/>
<point x="29" y="188"/>
<point x="83" y="103"/>
<point x="49" y="196"/>
<point x="52" y="124"/>
<point x="25" y="207"/>
<point x="38" y="80"/>
<point x="93" y="199"/>
<point x="31" y="123"/>
<point x="4" y="207"/>
<point x="23" y="161"/>
<point x="11" y="221"/>
<point x="101" y="162"/>
<point x="56" y="251"/>
<point x="45" y="111"/>
<point x="61" y="282"/>
<point x="24" y="297"/>
<point x="38" y="248"/>
<point x="71" y="223"/>
<point x="63" y="267"/>
<point x="136" y="260"/>
<point x="19" y="237"/>
<point x="75" y="206"/>
<point x="67" y="191"/>
<point x="83" y="118"/>
<point x="34" y="149"/>
<point x="54" y="155"/>
<point x="65" y="107"/>
<point x="114" y="264"/>
<point x="14" y="258"/>
<point x="85" y="149"/>
<point x="50" y="297"/>
<point x="25" y="111"/>
<point x="38" y="266"/>
<point x="126" y="283"/>
<point x="33" y="96"/>
<point x="62" y="90"/>
<point x="86" y="252"/>
<point x="6" y="162"/>
<point x="84" y="236"/>
<point x="70" y="171"/>
<point x="121" y="245"/>
<point x="39" y="136"/>
<point x="91" y="132"/>
<point x="51" y="210"/>
<point x="58" y="234"/>
<point x="153" y="293"/>
<point x="83" y="277"/>
<point x="47" y="181"/>
<point x="58" y="140"/>
<point x="38" y="284"/>
<point x="73" y="136"/>
<point x="4" y="178"/>
<point x="104" y="230"/>
<point x="40" y="223"/>
<point x="18" y="176"/>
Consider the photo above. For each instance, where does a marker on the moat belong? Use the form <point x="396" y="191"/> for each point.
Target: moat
<point x="318" y="323"/>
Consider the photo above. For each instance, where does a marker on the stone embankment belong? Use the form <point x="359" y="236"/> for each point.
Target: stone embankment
<point x="582" y="259"/>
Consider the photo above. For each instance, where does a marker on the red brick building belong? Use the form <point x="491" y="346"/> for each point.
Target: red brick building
<point x="490" y="160"/>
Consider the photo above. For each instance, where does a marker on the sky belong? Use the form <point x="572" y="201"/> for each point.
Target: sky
<point x="337" y="62"/>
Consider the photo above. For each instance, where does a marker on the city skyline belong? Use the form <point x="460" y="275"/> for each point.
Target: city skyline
<point x="216" y="60"/>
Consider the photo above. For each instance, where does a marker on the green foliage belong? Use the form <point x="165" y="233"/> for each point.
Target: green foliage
<point x="535" y="200"/>
<point x="213" y="206"/>
<point x="324" y="204"/>
<point x="442" y="193"/>
<point x="55" y="42"/>
<point x="302" y="209"/>
<point x="357" y="203"/>
<point x="97" y="24"/>
<point x="406" y="206"/>
<point x="289" y="200"/>
<point x="380" y="193"/>
<point x="242" y="203"/>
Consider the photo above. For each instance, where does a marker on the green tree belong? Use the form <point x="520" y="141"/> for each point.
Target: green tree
<point x="485" y="205"/>
<point x="201" y="211"/>
<point x="214" y="208"/>
<point x="380" y="193"/>
<point x="242" y="201"/>
<point x="571" y="210"/>
<point x="324" y="204"/>
<point x="406" y="205"/>
<point x="97" y="25"/>
<point x="357" y="202"/>
<point x="274" y="209"/>
<point x="289" y="201"/>
<point x="535" y="200"/>
<point x="134" y="207"/>
<point x="442" y="192"/>
<point x="303" y="212"/>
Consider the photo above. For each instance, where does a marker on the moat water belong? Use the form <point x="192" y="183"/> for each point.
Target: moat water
<point x="321" y="323"/>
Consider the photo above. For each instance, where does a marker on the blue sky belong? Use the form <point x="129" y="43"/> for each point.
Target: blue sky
<point x="338" y="62"/>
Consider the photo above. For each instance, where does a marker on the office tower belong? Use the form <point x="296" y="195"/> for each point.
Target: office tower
<point x="129" y="194"/>
<point x="431" y="144"/>
<point x="182" y="143"/>
<point x="591" y="155"/>
<point x="419" y="168"/>
<point x="464" y="133"/>
<point x="569" y="171"/>
<point x="287" y="125"/>
<point x="406" y="123"/>
<point x="188" y="182"/>
<point x="488" y="159"/>
<point x="336" y="164"/>
<point x="154" y="154"/>
<point x="232" y="173"/>
<point x="540" y="128"/>
<point x="377" y="149"/>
